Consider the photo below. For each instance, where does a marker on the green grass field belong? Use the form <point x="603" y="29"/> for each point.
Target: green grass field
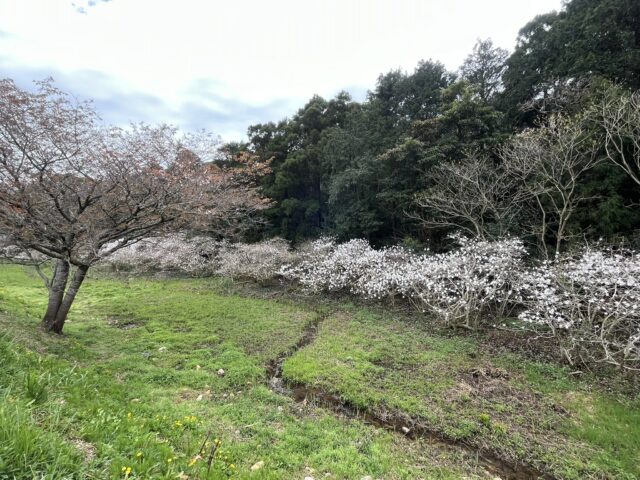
<point x="132" y="391"/>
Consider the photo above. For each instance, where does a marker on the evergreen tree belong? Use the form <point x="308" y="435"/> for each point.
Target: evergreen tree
<point x="587" y="39"/>
<point x="484" y="68"/>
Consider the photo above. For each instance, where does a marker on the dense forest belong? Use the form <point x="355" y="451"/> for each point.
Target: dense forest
<point x="508" y="144"/>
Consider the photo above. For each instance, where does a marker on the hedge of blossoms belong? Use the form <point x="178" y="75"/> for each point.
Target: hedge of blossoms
<point x="590" y="301"/>
<point x="462" y="286"/>
<point x="200" y="256"/>
<point x="172" y="253"/>
<point x="256" y="261"/>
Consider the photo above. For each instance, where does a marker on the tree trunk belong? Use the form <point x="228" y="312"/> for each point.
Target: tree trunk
<point x="56" y="293"/>
<point x="65" y="304"/>
<point x="69" y="297"/>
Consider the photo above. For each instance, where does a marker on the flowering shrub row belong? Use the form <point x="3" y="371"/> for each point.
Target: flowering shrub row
<point x="257" y="261"/>
<point x="461" y="286"/>
<point x="172" y="253"/>
<point x="589" y="301"/>
<point x="200" y="256"/>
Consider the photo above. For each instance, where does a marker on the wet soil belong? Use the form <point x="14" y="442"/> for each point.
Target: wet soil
<point x="386" y="419"/>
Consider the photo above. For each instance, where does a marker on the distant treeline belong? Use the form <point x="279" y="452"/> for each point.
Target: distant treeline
<point x="372" y="169"/>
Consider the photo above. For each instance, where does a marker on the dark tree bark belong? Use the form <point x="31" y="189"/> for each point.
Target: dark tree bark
<point x="60" y="301"/>
<point x="69" y="297"/>
<point x="56" y="293"/>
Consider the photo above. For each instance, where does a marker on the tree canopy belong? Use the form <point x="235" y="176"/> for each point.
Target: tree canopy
<point x="353" y="169"/>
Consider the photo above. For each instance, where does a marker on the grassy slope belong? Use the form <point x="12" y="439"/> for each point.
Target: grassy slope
<point x="121" y="389"/>
<point x="133" y="383"/>
<point x="522" y="410"/>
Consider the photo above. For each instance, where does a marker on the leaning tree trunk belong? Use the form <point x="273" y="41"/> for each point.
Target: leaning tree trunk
<point x="64" y="305"/>
<point x="56" y="293"/>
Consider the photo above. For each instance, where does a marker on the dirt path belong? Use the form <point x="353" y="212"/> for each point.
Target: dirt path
<point x="396" y="422"/>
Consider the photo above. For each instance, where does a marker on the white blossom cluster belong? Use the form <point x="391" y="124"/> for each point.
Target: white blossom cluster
<point x="200" y="256"/>
<point x="470" y="285"/>
<point x="256" y="261"/>
<point x="353" y="266"/>
<point x="592" y="300"/>
<point x="171" y="253"/>
<point x="12" y="253"/>
<point x="459" y="286"/>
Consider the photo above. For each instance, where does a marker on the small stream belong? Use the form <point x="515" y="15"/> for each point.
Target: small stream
<point x="388" y="420"/>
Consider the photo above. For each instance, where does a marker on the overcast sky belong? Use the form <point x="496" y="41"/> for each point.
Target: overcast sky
<point x="223" y="65"/>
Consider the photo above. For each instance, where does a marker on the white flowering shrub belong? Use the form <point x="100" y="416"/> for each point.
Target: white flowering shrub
<point x="257" y="261"/>
<point x="459" y="286"/>
<point x="470" y="285"/>
<point x="591" y="302"/>
<point x="12" y="253"/>
<point x="353" y="266"/>
<point x="196" y="256"/>
<point x="199" y="256"/>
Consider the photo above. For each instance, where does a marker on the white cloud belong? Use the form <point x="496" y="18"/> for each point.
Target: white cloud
<point x="243" y="58"/>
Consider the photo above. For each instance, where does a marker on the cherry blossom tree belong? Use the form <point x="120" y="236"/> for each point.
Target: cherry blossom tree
<point x="75" y="191"/>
